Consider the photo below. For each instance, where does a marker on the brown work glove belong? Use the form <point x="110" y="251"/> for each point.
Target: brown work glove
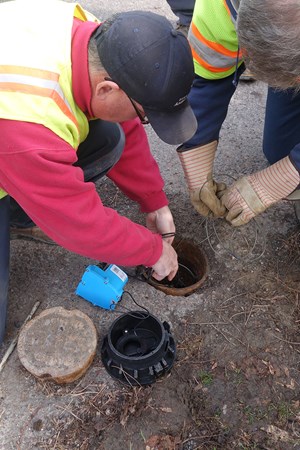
<point x="197" y="164"/>
<point x="253" y="194"/>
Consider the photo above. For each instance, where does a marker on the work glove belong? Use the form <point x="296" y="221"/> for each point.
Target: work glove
<point x="253" y="194"/>
<point x="197" y="164"/>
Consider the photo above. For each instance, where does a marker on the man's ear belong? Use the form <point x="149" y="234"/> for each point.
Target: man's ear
<point x="105" y="88"/>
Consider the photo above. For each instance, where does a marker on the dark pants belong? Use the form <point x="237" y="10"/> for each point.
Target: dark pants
<point x="96" y="155"/>
<point x="210" y="100"/>
<point x="282" y="126"/>
<point x="101" y="150"/>
<point x="183" y="9"/>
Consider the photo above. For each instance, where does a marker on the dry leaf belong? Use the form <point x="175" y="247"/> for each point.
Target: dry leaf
<point x="277" y="433"/>
<point x="167" y="410"/>
<point x="291" y="385"/>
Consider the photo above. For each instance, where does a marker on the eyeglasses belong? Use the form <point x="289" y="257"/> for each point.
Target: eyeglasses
<point x="144" y="120"/>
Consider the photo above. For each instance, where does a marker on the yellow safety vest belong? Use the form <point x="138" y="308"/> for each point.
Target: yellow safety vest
<point x="35" y="66"/>
<point x="213" y="38"/>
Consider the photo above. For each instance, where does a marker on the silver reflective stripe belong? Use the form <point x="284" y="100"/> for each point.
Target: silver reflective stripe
<point x="209" y="55"/>
<point x="36" y="82"/>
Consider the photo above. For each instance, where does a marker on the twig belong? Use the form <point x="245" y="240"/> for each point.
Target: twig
<point x="225" y="337"/>
<point x="70" y="412"/>
<point x="232" y="297"/>
<point x="15" y="340"/>
<point x="249" y="315"/>
<point x="284" y="340"/>
<point x="56" y="440"/>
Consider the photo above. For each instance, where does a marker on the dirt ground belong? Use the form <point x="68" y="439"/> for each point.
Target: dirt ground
<point x="235" y="380"/>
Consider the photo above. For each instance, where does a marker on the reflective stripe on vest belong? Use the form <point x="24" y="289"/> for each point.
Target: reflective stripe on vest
<point x="35" y="66"/>
<point x="214" y="56"/>
<point x="213" y="38"/>
<point x="35" y="82"/>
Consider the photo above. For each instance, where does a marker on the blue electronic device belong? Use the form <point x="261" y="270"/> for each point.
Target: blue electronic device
<point x="103" y="288"/>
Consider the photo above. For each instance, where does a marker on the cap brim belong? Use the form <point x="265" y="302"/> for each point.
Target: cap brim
<point x="173" y="127"/>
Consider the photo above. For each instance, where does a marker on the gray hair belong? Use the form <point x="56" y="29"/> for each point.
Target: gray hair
<point x="95" y="65"/>
<point x="269" y="36"/>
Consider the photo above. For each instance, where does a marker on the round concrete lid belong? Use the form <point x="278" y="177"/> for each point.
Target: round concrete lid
<point x="58" y="345"/>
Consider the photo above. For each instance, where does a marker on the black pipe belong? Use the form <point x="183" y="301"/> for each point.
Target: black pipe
<point x="4" y="262"/>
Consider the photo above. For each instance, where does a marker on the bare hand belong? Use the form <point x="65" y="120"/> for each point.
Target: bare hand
<point x="167" y="265"/>
<point x="161" y="221"/>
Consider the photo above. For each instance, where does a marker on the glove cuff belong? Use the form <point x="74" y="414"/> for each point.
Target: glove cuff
<point x="197" y="163"/>
<point x="275" y="182"/>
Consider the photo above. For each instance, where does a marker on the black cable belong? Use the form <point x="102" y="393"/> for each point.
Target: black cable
<point x="166" y="235"/>
<point x="135" y="314"/>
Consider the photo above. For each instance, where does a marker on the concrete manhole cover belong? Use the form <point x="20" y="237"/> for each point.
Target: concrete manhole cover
<point x="58" y="345"/>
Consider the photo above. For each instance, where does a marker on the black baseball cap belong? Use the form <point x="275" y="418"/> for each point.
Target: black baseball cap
<point x="153" y="64"/>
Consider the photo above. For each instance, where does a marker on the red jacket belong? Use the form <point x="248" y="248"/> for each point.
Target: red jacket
<point x="36" y="169"/>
